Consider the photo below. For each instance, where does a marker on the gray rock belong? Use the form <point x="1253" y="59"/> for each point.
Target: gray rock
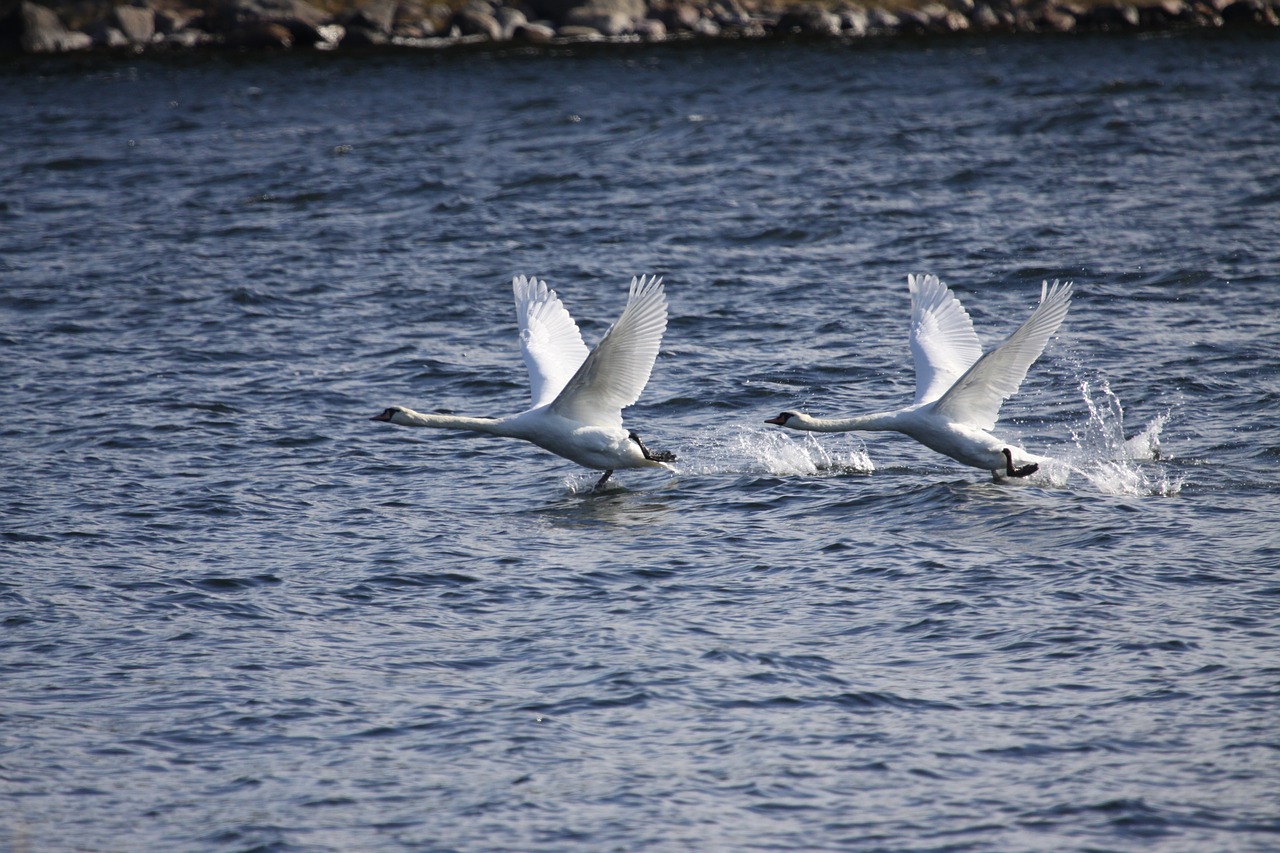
<point x="808" y="21"/>
<point x="1120" y="16"/>
<point x="363" y="37"/>
<point x="707" y="28"/>
<point x="32" y="28"/>
<point x="186" y="37"/>
<point x="250" y="23"/>
<point x="138" y="24"/>
<point x="679" y="16"/>
<point x="534" y="32"/>
<point x="984" y="17"/>
<point x="577" y="32"/>
<point x="169" y="21"/>
<point x="603" y="21"/>
<point x="854" y="21"/>
<point x="651" y="29"/>
<point x="610" y="17"/>
<point x="1055" y="18"/>
<point x="475" y="19"/>
<point x="377" y="15"/>
<point x="509" y="20"/>
<point x="882" y="20"/>
<point x="105" y="35"/>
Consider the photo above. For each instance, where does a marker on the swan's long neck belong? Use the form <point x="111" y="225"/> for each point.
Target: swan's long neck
<point x="877" y="421"/>
<point x="408" y="417"/>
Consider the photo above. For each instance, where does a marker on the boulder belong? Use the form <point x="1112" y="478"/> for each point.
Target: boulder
<point x="651" y="29"/>
<point x="576" y="32"/>
<point x="32" y="28"/>
<point x="509" y="20"/>
<point x="558" y="11"/>
<point x="169" y="21"/>
<point x="475" y="19"/>
<point x="808" y="21"/>
<point x="534" y="32"/>
<point x="1120" y="16"/>
<point x="362" y="37"/>
<point x="377" y="15"/>
<point x="607" y="22"/>
<point x="248" y="23"/>
<point x="105" y="35"/>
<point x="679" y="16"/>
<point x="1056" y="19"/>
<point x="1164" y="13"/>
<point x="984" y="17"/>
<point x="137" y="23"/>
<point x="854" y="21"/>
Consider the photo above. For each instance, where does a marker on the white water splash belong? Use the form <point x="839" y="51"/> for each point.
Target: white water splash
<point x="1108" y="459"/>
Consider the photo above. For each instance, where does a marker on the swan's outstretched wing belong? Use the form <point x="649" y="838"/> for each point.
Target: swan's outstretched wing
<point x="549" y="339"/>
<point x="618" y="368"/>
<point x="976" y="396"/>
<point x="943" y="342"/>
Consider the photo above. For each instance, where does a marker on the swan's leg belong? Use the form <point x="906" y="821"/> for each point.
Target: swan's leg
<point x="652" y="455"/>
<point x="604" y="479"/>
<point x="1010" y="471"/>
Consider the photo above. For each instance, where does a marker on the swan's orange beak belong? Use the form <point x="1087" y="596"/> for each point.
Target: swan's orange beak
<point x="778" y="421"/>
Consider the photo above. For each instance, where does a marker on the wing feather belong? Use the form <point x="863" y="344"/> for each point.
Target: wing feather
<point x="615" y="373"/>
<point x="943" y="343"/>
<point x="976" y="396"/>
<point x="549" y="339"/>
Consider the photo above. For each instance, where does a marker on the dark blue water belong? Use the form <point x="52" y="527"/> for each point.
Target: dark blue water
<point x="238" y="615"/>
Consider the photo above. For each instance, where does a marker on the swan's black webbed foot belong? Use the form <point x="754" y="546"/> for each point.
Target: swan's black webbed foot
<point x="603" y="479"/>
<point x="652" y="455"/>
<point x="1010" y="471"/>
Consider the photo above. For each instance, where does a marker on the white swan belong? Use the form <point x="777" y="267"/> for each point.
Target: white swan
<point x="959" y="390"/>
<point x="578" y="397"/>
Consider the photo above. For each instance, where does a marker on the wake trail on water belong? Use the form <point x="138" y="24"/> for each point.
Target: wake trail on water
<point x="769" y="452"/>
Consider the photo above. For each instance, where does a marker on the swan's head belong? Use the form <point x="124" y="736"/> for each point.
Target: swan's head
<point x="389" y="414"/>
<point x="794" y="420"/>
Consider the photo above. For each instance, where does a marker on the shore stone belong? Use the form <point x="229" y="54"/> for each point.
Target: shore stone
<point x="609" y="17"/>
<point x="808" y="21"/>
<point x="138" y="24"/>
<point x="853" y="21"/>
<point x="353" y="36"/>
<point x="105" y="35"/>
<point x="578" y="32"/>
<point x="475" y="19"/>
<point x="32" y="28"/>
<point x="534" y="32"/>
<point x="378" y="15"/>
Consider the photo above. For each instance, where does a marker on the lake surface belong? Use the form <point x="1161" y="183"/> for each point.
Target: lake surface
<point x="238" y="615"/>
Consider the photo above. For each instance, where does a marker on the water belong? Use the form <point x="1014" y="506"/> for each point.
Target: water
<point x="238" y="615"/>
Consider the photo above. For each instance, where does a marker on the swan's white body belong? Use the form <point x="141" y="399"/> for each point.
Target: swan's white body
<point x="959" y="390"/>
<point x="578" y="397"/>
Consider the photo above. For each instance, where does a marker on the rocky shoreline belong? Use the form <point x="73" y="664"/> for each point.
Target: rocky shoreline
<point x="158" y="25"/>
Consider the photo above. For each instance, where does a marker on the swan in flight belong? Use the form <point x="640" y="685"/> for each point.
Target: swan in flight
<point x="578" y="397"/>
<point x="959" y="389"/>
